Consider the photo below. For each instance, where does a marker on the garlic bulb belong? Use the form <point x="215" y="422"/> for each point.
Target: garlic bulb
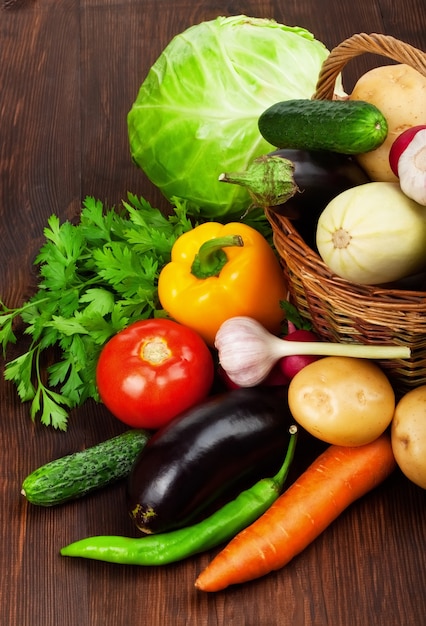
<point x="248" y="352"/>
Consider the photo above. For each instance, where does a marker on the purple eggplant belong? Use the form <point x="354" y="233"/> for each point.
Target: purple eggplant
<point x="319" y="176"/>
<point x="298" y="183"/>
<point x="206" y="456"/>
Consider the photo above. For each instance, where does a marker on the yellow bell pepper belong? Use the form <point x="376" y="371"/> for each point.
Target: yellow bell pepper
<point x="218" y="271"/>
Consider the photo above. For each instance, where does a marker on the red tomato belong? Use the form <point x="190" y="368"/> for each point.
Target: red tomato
<point x="152" y="370"/>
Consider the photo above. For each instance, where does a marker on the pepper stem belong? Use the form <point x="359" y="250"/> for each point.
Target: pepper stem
<point x="281" y="476"/>
<point x="211" y="257"/>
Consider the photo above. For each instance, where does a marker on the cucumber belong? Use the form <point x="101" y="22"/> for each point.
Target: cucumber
<point x="343" y="126"/>
<point x="75" y="475"/>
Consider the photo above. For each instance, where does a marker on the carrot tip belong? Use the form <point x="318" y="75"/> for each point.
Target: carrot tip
<point x="206" y="587"/>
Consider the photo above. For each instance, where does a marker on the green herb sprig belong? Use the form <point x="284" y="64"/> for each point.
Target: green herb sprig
<point x="95" y="278"/>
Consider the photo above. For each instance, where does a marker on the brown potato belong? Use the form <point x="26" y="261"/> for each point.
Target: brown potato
<point x="409" y="435"/>
<point x="399" y="92"/>
<point x="342" y="401"/>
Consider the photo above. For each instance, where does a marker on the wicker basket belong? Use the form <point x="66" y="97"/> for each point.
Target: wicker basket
<point x="340" y="310"/>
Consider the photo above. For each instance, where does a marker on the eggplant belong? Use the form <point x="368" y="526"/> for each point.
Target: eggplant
<point x="300" y="192"/>
<point x="320" y="177"/>
<point x="206" y="456"/>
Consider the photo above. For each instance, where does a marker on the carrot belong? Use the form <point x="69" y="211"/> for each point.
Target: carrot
<point x="338" y="477"/>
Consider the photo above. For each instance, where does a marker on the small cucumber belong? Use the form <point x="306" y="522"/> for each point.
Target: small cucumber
<point x="77" y="474"/>
<point x="343" y="126"/>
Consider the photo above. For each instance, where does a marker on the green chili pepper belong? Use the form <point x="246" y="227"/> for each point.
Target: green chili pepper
<point x="179" y="544"/>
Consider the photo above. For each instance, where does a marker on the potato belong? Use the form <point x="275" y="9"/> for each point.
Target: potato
<point x="408" y="434"/>
<point x="342" y="400"/>
<point x="399" y="92"/>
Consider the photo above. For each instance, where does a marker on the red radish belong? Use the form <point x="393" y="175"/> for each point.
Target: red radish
<point x="407" y="158"/>
<point x="275" y="378"/>
<point x="225" y="380"/>
<point x="291" y="365"/>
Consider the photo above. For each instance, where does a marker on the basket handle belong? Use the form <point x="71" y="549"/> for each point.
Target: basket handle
<point x="358" y="44"/>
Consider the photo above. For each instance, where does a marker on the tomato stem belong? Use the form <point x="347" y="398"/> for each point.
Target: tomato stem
<point x="155" y="351"/>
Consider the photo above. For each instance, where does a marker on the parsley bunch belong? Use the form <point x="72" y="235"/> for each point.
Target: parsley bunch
<point x="95" y="278"/>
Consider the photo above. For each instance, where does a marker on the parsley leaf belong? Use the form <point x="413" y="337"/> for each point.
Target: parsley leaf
<point x="95" y="277"/>
<point x="292" y="315"/>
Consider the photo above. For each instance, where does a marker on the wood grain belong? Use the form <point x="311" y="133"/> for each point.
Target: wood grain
<point x="69" y="73"/>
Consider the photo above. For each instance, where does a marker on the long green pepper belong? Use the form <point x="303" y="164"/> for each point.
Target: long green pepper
<point x="180" y="544"/>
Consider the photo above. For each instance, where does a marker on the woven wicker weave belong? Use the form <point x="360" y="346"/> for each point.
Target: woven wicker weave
<point x="340" y="310"/>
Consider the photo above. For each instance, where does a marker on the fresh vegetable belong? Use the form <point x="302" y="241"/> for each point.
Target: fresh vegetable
<point x="298" y="183"/>
<point x="152" y="370"/>
<point x="196" y="111"/>
<point x="247" y="351"/>
<point x="373" y="234"/>
<point x="407" y="158"/>
<point x="399" y="91"/>
<point x="287" y="366"/>
<point x="218" y="271"/>
<point x="319" y="176"/>
<point x="206" y="454"/>
<point x="336" y="479"/>
<point x="95" y="278"/>
<point x="291" y="365"/>
<point x="409" y="435"/>
<point x="179" y="544"/>
<point x="293" y="318"/>
<point x="341" y="400"/>
<point x="338" y="125"/>
<point x="275" y="378"/>
<point x="80" y="473"/>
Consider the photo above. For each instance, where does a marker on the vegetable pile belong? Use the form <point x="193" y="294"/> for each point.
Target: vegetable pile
<point x="198" y="106"/>
<point x="336" y="479"/>
<point x="182" y="327"/>
<point x="96" y="277"/>
<point x="179" y="544"/>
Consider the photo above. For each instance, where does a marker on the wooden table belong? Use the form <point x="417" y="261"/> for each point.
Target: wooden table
<point x="69" y="73"/>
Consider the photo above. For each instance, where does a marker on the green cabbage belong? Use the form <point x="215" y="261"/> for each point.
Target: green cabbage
<point x="196" y="113"/>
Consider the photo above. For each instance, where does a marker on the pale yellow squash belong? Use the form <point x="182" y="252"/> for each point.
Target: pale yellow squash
<point x="373" y="234"/>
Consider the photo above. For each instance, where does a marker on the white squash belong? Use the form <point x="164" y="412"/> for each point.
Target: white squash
<point x="373" y="234"/>
<point x="399" y="92"/>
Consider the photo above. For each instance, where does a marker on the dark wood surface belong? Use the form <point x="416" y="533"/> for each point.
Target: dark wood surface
<point x="69" y="73"/>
